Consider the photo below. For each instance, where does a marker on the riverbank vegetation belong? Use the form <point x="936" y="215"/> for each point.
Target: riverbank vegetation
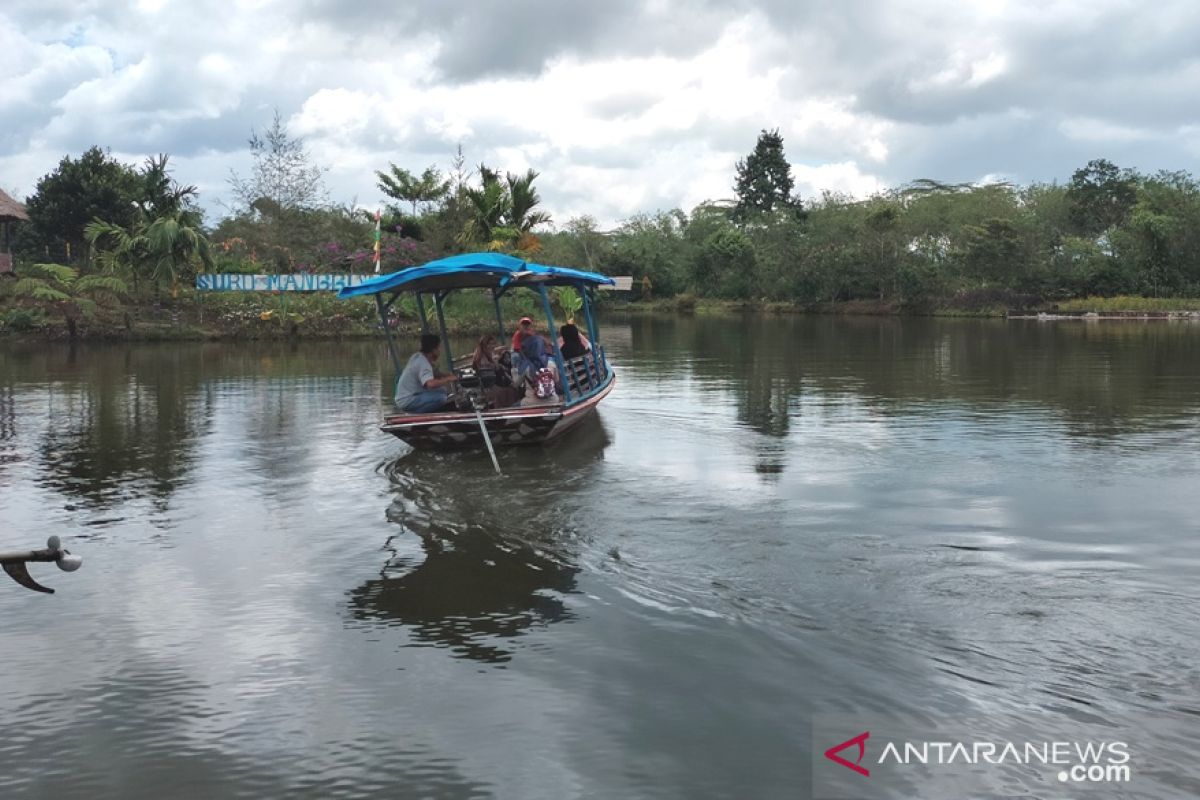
<point x="112" y="249"/>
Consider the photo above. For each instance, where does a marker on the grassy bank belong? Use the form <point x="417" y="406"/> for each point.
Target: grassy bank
<point x="1111" y="304"/>
<point x="195" y="316"/>
<point x="967" y="306"/>
<point x="690" y="304"/>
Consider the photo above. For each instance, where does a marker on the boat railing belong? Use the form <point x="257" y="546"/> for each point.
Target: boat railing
<point x="586" y="373"/>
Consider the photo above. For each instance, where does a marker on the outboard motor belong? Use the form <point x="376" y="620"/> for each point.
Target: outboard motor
<point x="471" y="382"/>
<point x="14" y="563"/>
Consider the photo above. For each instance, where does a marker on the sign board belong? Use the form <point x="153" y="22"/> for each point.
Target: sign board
<point x="624" y="284"/>
<point x="307" y="282"/>
<point x="304" y="282"/>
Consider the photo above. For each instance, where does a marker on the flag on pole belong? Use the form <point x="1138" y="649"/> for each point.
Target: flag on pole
<point x="378" y="236"/>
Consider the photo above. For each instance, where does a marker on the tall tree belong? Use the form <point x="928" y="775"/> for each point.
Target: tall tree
<point x="400" y="184"/>
<point x="444" y="230"/>
<point x="764" y="178"/>
<point x="1102" y="196"/>
<point x="95" y="186"/>
<point x="283" y="176"/>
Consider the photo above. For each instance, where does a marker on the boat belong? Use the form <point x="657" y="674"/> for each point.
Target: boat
<point x="585" y="380"/>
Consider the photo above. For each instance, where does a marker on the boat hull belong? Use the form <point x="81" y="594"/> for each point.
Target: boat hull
<point x="505" y="426"/>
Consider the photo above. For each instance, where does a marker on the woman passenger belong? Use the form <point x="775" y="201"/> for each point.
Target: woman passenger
<point x="485" y="355"/>
<point x="572" y="343"/>
<point x="499" y="391"/>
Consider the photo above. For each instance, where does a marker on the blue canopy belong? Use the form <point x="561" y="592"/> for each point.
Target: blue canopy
<point x="473" y="270"/>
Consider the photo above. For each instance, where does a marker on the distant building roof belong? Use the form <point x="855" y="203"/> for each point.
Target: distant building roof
<point x="11" y="209"/>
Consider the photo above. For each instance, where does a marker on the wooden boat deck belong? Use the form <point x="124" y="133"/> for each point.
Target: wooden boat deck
<point x="523" y="424"/>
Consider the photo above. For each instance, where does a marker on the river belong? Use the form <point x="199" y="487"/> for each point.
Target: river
<point x="769" y="519"/>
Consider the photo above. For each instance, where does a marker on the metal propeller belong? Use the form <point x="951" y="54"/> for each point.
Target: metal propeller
<point x="15" y="563"/>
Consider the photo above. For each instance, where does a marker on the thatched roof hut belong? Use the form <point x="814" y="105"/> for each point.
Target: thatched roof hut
<point x="10" y="209"/>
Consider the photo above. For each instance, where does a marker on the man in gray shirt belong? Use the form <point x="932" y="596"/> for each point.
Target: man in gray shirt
<point x="418" y="390"/>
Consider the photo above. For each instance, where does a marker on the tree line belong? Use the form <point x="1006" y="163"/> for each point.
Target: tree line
<point x="1108" y="231"/>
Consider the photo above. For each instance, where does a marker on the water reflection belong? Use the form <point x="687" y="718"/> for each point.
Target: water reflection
<point x="126" y="421"/>
<point x="497" y="554"/>
<point x="1101" y="379"/>
<point x="772" y="516"/>
<point x="469" y="594"/>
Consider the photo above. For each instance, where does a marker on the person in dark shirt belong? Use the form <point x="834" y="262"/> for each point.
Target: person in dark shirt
<point x="572" y="343"/>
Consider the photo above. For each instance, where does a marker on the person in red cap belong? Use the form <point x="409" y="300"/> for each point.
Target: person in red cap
<point x="524" y="328"/>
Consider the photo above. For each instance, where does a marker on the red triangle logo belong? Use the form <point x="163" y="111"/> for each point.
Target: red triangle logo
<point x="861" y="741"/>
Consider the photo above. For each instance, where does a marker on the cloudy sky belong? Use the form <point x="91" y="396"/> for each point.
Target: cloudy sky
<point x="623" y="105"/>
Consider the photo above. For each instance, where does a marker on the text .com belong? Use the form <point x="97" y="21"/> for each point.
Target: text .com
<point x="1096" y="773"/>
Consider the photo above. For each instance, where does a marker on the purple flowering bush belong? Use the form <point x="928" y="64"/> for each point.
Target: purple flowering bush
<point x="395" y="252"/>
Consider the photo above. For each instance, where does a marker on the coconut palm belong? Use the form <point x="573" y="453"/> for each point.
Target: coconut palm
<point x="522" y="199"/>
<point x="489" y="206"/>
<point x="503" y="215"/>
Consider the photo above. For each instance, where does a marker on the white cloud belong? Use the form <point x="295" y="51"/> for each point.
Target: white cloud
<point x="640" y="106"/>
<point x="841" y="178"/>
<point x="1098" y="130"/>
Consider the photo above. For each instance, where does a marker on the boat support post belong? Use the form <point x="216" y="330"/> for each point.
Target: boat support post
<point x="562" y="366"/>
<point x="387" y="332"/>
<point x="593" y="336"/>
<point x="438" y="297"/>
<point x="421" y="313"/>
<point x="499" y="316"/>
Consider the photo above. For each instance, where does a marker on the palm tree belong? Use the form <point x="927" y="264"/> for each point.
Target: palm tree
<point x="176" y="244"/>
<point x="161" y="194"/>
<point x="522" y="199"/>
<point x="489" y="206"/>
<point x="503" y="214"/>
<point x="159" y="250"/>
<point x="164" y="237"/>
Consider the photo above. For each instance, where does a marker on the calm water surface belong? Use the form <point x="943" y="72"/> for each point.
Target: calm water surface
<point x="769" y="518"/>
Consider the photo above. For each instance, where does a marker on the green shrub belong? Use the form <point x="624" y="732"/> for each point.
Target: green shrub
<point x="685" y="303"/>
<point x="21" y="320"/>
